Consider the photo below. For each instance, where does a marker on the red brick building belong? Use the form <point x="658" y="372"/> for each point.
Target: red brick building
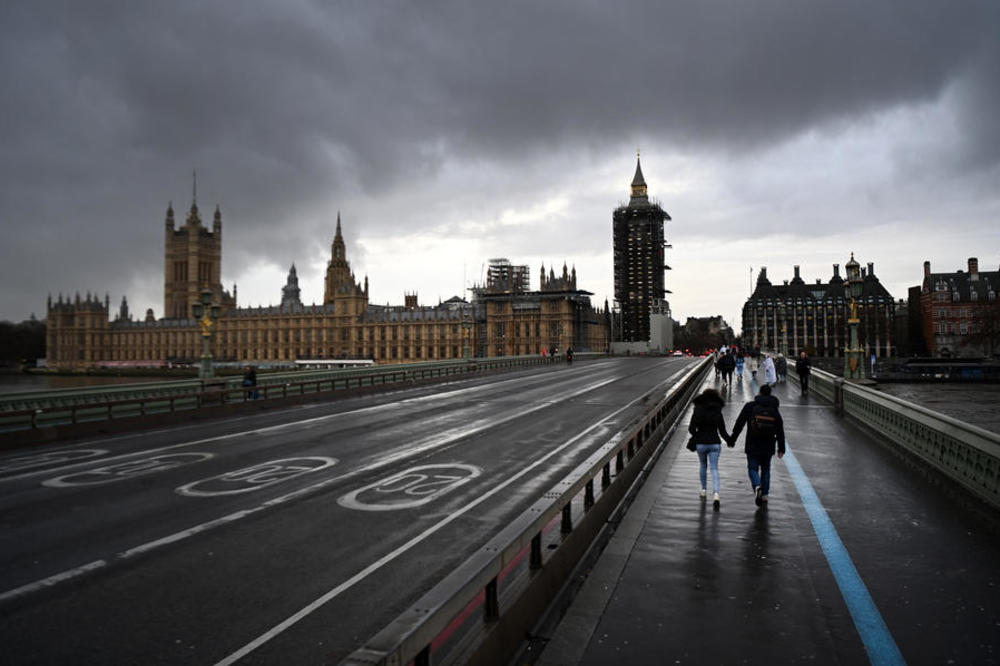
<point x="960" y="311"/>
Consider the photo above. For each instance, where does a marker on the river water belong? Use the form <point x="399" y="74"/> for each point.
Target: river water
<point x="16" y="382"/>
<point x="975" y="403"/>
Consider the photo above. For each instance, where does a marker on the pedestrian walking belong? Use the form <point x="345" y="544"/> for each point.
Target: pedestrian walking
<point x="739" y="366"/>
<point x="753" y="364"/>
<point x="781" y="367"/>
<point x="770" y="374"/>
<point x="250" y="381"/>
<point x="708" y="431"/>
<point x="764" y="429"/>
<point x="802" y="368"/>
<point x="726" y="366"/>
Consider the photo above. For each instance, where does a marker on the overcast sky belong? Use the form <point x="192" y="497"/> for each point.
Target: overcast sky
<point x="774" y="133"/>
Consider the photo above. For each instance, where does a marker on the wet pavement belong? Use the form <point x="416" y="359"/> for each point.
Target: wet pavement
<point x="858" y="557"/>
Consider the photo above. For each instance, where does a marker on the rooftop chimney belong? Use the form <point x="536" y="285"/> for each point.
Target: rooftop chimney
<point x="796" y="272"/>
<point x="927" y="268"/>
<point x="871" y="269"/>
<point x="973" y="268"/>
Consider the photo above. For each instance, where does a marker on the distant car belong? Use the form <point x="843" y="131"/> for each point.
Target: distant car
<point x="678" y="353"/>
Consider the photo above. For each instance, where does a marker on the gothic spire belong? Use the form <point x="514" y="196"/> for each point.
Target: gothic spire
<point x="638" y="182"/>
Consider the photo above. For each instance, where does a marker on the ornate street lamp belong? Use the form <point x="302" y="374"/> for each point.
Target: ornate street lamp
<point x="466" y="333"/>
<point x="853" y="356"/>
<point x="783" y="315"/>
<point x="206" y="312"/>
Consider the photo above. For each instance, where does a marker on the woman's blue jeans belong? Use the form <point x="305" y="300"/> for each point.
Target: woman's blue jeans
<point x="708" y="454"/>
<point x="759" y="468"/>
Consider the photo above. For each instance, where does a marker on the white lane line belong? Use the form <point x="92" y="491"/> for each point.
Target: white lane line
<point x="384" y="461"/>
<point x="264" y="430"/>
<point x="51" y="580"/>
<point x="389" y="557"/>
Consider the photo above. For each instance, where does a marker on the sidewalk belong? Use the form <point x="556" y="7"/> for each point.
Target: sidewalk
<point x="680" y="583"/>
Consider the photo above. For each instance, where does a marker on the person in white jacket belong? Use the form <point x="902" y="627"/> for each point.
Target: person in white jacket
<point x="770" y="376"/>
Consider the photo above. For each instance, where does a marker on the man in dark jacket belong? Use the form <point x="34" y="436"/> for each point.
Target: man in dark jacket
<point x="802" y="368"/>
<point x="764" y="428"/>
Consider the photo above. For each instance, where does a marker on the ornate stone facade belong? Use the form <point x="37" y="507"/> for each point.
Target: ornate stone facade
<point x="797" y="316"/>
<point x="346" y="325"/>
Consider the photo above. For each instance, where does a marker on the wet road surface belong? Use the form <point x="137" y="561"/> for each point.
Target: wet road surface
<point x="287" y="536"/>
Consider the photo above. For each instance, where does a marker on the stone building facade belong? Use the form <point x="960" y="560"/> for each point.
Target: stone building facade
<point x="81" y="333"/>
<point x="796" y="316"/>
<point x="959" y="311"/>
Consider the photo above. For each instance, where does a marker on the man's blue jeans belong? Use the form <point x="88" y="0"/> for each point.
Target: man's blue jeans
<point x="759" y="468"/>
<point x="708" y="454"/>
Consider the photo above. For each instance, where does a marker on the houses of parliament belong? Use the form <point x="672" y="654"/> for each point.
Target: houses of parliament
<point x="503" y="318"/>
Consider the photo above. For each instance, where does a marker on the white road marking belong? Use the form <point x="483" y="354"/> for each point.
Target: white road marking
<point x="402" y="453"/>
<point x="389" y="557"/>
<point x="416" y="485"/>
<point x="127" y="470"/>
<point x="273" y="429"/>
<point x="255" y="477"/>
<point x="51" y="580"/>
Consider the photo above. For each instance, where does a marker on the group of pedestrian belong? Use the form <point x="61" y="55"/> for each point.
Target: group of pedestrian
<point x="725" y="364"/>
<point x="765" y="431"/>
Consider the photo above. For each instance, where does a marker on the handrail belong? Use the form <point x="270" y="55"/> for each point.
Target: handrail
<point x="167" y="397"/>
<point x="965" y="453"/>
<point x="410" y="635"/>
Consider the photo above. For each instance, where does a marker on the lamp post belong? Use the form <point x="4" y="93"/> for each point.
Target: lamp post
<point x="853" y="356"/>
<point x="783" y="314"/>
<point x="206" y="312"/>
<point x="466" y="333"/>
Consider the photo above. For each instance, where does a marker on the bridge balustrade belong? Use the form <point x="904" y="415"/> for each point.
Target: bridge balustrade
<point x="967" y="454"/>
<point x="30" y="412"/>
<point x="509" y="614"/>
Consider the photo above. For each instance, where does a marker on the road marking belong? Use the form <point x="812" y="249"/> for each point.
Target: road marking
<point x="201" y="528"/>
<point x="36" y="460"/>
<point x="51" y="580"/>
<point x="291" y="424"/>
<point x="127" y="470"/>
<point x="410" y="488"/>
<point x="255" y="477"/>
<point x="389" y="557"/>
<point x="874" y="632"/>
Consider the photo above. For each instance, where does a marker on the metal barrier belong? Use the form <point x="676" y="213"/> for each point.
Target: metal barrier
<point x="965" y="453"/>
<point x="597" y="486"/>
<point x="33" y="410"/>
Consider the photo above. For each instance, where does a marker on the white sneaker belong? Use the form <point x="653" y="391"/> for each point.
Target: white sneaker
<point x="702" y="493"/>
<point x="715" y="501"/>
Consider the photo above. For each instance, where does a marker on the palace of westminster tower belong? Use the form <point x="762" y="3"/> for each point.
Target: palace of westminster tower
<point x="498" y="320"/>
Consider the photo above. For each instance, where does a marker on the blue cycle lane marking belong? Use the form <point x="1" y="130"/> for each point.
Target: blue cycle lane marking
<point x="875" y="636"/>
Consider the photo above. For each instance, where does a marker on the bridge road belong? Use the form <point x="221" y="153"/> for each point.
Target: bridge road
<point x="286" y="536"/>
<point x="681" y="583"/>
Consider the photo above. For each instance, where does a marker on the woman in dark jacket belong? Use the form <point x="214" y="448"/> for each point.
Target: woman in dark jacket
<point x="708" y="430"/>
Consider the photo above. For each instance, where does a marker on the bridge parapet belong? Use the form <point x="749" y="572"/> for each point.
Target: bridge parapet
<point x="84" y="410"/>
<point x="509" y="614"/>
<point x="967" y="454"/>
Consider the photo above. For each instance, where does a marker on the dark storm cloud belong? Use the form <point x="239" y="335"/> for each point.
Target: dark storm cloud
<point x="288" y="109"/>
